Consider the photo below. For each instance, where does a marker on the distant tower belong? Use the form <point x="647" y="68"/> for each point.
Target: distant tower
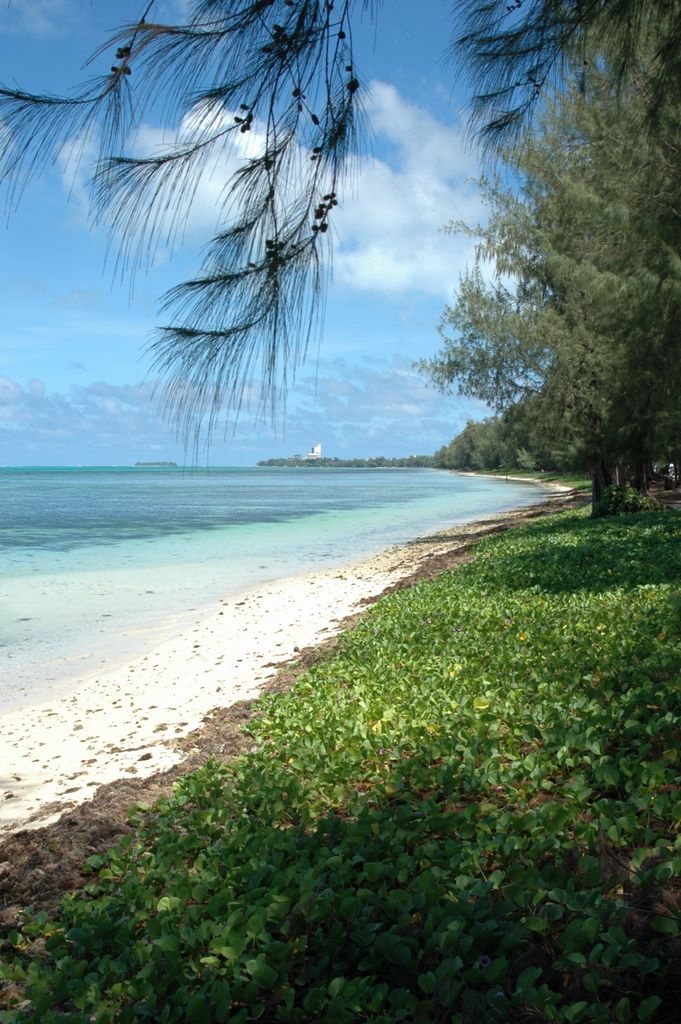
<point x="314" y="453"/>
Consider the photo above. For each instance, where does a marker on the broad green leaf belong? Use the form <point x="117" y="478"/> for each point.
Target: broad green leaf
<point x="261" y="972"/>
<point x="664" y="925"/>
<point x="648" y="1007"/>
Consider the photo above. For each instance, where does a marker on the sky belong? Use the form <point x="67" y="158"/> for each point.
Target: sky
<point x="76" y="386"/>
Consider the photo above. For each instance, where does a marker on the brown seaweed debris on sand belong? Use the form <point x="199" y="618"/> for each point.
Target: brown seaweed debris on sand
<point x="38" y="866"/>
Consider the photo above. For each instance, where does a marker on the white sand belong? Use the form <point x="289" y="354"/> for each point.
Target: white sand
<point x="127" y="721"/>
<point x="124" y="722"/>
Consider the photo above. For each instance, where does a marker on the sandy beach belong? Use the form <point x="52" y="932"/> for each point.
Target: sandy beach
<point x="132" y="722"/>
<point x="126" y="721"/>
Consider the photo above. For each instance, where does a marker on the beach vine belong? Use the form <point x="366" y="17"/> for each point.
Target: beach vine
<point x="468" y="811"/>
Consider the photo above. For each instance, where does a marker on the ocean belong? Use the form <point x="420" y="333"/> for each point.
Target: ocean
<point x="98" y="564"/>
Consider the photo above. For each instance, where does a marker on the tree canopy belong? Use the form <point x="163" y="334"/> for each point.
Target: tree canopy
<point x="572" y="309"/>
<point x="513" y="50"/>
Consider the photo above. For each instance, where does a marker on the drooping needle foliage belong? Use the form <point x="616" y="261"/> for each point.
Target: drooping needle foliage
<point x="270" y="82"/>
<point x="511" y="50"/>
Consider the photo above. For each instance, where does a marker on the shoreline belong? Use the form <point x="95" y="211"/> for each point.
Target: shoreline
<point x="147" y="718"/>
<point x="126" y="721"/>
<point x="550" y="485"/>
<point x="83" y="610"/>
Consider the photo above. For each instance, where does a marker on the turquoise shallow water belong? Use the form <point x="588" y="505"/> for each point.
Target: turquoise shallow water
<point x="97" y="564"/>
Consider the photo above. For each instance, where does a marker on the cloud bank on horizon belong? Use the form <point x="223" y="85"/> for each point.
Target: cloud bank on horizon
<point x="385" y="400"/>
<point x="72" y="391"/>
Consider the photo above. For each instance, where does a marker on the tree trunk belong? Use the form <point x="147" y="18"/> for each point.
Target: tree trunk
<point x="601" y="477"/>
<point x="641" y="476"/>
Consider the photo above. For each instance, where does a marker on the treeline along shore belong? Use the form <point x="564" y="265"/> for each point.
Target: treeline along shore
<point x="467" y="804"/>
<point x="379" y="462"/>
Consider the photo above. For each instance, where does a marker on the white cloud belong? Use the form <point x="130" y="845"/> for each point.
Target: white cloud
<point x="376" y="409"/>
<point x="39" y="17"/>
<point x="390" y="234"/>
<point x="91" y="415"/>
<point x="10" y="392"/>
<point x="191" y="206"/>
<point x="357" y="410"/>
<point x="388" y="227"/>
<point x="427" y="144"/>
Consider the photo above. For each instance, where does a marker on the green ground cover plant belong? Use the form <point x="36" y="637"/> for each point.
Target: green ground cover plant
<point x="617" y="500"/>
<point x="469" y="811"/>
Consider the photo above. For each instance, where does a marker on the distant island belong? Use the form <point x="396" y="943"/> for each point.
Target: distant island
<point x="146" y="465"/>
<point x="380" y="462"/>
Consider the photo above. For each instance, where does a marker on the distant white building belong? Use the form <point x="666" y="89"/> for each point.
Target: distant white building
<point x="314" y="453"/>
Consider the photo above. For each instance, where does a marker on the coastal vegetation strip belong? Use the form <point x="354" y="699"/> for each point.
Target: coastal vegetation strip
<point x="378" y="462"/>
<point x="470" y="808"/>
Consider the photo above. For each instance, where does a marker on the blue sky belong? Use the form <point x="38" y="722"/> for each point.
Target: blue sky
<point x="75" y="386"/>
